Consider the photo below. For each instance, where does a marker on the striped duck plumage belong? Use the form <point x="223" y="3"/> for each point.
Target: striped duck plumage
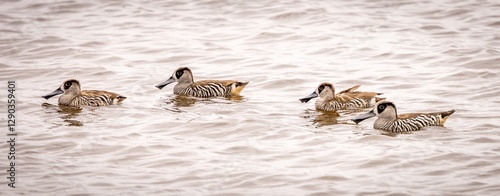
<point x="72" y="95"/>
<point x="346" y="99"/>
<point x="204" y="88"/>
<point x="390" y="121"/>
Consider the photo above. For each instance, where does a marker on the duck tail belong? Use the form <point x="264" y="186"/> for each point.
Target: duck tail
<point x="238" y="87"/>
<point x="445" y="115"/>
<point x="120" y="98"/>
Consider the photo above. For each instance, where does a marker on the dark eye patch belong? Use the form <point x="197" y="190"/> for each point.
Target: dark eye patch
<point x="321" y="88"/>
<point x="67" y="85"/>
<point x="381" y="108"/>
<point x="179" y="73"/>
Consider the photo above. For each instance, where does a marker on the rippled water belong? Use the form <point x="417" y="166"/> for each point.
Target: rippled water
<point x="423" y="55"/>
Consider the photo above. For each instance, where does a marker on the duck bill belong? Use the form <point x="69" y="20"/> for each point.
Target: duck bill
<point x="56" y="92"/>
<point x="363" y="117"/>
<point x="167" y="82"/>
<point x="309" y="97"/>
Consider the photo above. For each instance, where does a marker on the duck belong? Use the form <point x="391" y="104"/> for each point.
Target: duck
<point x="389" y="120"/>
<point x="346" y="99"/>
<point x="72" y="95"/>
<point x="203" y="88"/>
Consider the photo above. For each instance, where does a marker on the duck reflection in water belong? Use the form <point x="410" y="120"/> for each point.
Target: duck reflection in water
<point x="327" y="118"/>
<point x="179" y="101"/>
<point x="67" y="113"/>
<point x="182" y="101"/>
<point x="320" y="119"/>
<point x="324" y="118"/>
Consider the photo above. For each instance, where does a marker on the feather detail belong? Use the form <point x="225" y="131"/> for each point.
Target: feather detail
<point x="389" y="120"/>
<point x="72" y="95"/>
<point x="204" y="88"/>
<point x="346" y="99"/>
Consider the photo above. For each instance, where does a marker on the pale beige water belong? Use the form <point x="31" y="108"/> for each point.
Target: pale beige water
<point x="423" y="55"/>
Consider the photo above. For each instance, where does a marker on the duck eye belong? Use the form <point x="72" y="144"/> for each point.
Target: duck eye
<point x="179" y="73"/>
<point x="67" y="85"/>
<point x="320" y="88"/>
<point x="381" y="107"/>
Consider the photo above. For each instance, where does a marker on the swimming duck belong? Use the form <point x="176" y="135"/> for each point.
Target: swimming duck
<point x="72" y="95"/>
<point x="204" y="88"/>
<point x="346" y="99"/>
<point x="390" y="121"/>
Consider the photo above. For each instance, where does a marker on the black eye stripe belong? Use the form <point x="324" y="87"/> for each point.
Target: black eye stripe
<point x="67" y="85"/>
<point x="179" y="73"/>
<point x="381" y="108"/>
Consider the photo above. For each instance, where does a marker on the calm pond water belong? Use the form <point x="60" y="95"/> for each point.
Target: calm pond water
<point x="423" y="55"/>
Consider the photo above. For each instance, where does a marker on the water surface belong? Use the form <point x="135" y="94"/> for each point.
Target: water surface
<point x="423" y="55"/>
